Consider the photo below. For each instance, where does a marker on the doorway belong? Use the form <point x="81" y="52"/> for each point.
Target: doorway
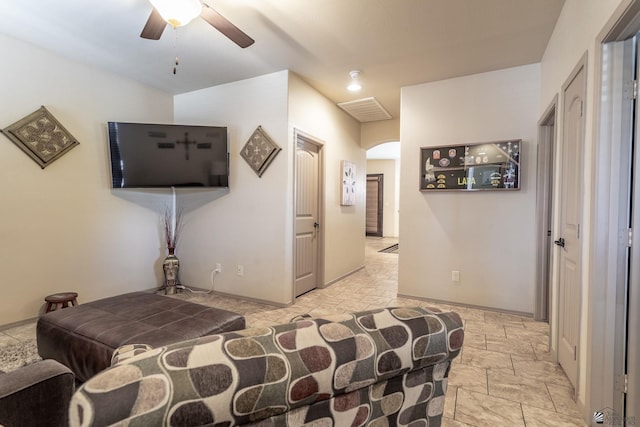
<point x="383" y="160"/>
<point x="544" y="203"/>
<point x="626" y="339"/>
<point x="308" y="252"/>
<point x="374" y="205"/>
<point x="615" y="307"/>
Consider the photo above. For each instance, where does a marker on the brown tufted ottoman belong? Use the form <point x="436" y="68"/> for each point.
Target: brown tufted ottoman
<point x="85" y="336"/>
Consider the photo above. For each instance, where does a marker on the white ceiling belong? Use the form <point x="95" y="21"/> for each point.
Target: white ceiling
<point x="394" y="43"/>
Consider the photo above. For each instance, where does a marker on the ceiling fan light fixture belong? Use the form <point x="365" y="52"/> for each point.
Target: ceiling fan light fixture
<point x="178" y="12"/>
<point x="354" y="85"/>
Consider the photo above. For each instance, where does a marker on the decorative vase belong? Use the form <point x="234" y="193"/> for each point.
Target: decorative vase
<point x="170" y="266"/>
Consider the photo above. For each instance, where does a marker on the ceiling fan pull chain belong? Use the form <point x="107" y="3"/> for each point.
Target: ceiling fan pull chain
<point x="175" y="50"/>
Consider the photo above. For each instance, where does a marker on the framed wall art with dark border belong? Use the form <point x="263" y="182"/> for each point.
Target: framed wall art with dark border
<point x="259" y="151"/>
<point x="41" y="136"/>
<point x="469" y="167"/>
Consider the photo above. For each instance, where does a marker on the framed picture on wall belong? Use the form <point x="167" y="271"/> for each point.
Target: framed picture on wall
<point x="41" y="136"/>
<point x="348" y="180"/>
<point x="259" y="151"/>
<point x="469" y="167"/>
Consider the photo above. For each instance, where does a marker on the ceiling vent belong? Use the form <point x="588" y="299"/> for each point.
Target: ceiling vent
<point x="365" y="110"/>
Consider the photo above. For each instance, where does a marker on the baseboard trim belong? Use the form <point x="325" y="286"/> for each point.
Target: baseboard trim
<point x="344" y="276"/>
<point x="477" y="307"/>
<point x="18" y="323"/>
<point x="240" y="297"/>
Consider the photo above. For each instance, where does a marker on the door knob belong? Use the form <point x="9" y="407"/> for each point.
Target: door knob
<point x="559" y="242"/>
<point x="316" y="225"/>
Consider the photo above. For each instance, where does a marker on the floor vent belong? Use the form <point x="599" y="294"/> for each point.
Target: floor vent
<point x="365" y="110"/>
<point x="393" y="249"/>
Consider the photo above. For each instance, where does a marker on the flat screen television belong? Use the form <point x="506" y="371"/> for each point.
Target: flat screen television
<point x="146" y="155"/>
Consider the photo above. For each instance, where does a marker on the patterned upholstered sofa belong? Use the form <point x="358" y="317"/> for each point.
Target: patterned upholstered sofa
<point x="376" y="368"/>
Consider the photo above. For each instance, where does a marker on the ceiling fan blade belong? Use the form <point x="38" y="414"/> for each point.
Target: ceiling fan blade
<point x="154" y="27"/>
<point x="223" y="25"/>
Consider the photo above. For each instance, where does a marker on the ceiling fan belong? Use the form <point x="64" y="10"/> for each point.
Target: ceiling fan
<point x="179" y="13"/>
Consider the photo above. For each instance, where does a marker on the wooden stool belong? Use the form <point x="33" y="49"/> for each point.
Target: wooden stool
<point x="63" y="298"/>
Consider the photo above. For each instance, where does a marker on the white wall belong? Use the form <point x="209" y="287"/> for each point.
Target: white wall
<point x="374" y="133"/>
<point x="391" y="171"/>
<point x="487" y="236"/>
<point x="62" y="228"/>
<point x="344" y="226"/>
<point x="251" y="225"/>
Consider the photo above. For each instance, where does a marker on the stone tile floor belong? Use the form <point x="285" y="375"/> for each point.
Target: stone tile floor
<point x="505" y="375"/>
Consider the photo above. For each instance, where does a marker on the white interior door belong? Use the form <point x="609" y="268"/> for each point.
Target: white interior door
<point x="307" y="221"/>
<point x="569" y="284"/>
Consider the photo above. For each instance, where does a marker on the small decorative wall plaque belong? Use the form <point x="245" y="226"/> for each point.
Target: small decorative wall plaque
<point x="348" y="173"/>
<point x="41" y="137"/>
<point x="259" y="151"/>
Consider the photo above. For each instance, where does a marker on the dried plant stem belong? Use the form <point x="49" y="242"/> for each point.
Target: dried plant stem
<point x="172" y="223"/>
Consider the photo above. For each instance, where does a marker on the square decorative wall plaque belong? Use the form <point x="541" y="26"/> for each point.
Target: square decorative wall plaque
<point x="41" y="137"/>
<point x="259" y="151"/>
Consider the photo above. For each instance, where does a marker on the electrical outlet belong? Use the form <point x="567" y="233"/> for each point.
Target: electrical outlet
<point x="240" y="270"/>
<point x="218" y="268"/>
<point x="455" y="276"/>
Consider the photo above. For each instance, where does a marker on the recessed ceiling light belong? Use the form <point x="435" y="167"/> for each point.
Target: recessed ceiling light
<point x="355" y="84"/>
